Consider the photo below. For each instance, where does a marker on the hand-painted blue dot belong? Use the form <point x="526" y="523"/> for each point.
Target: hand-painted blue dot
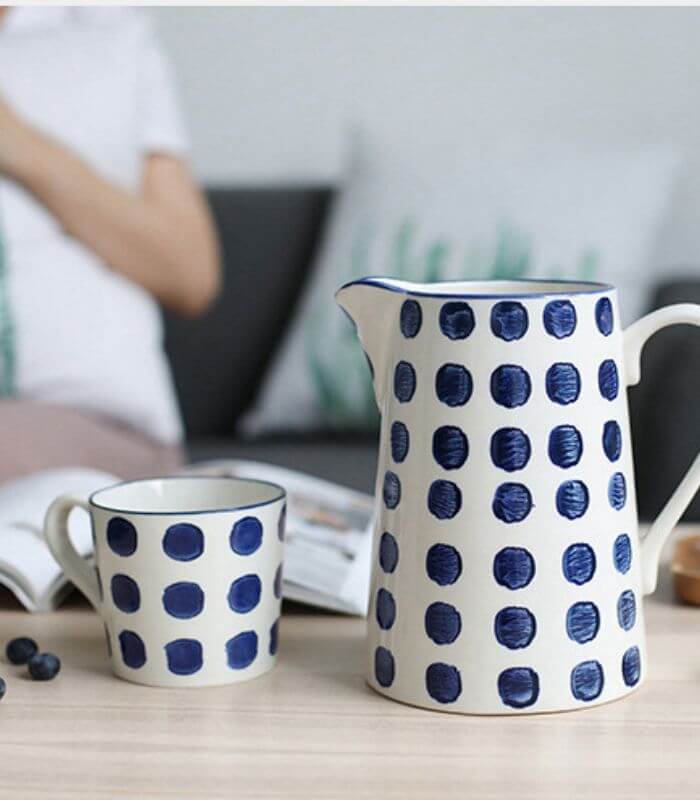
<point x="246" y="536"/>
<point x="627" y="610"/>
<point x="443" y="564"/>
<point x="242" y="650"/>
<point x="125" y="593"/>
<point x="274" y="638"/>
<point x="617" y="491"/>
<point x="519" y="687"/>
<point x="456" y="320"/>
<point x="453" y="385"/>
<point x="404" y="381"/>
<point x="444" y="499"/>
<point x="443" y="623"/>
<point x="510" y="386"/>
<point x="515" y="627"/>
<point x="443" y="682"/>
<point x="582" y="622"/>
<point x="392" y="489"/>
<point x="565" y="446"/>
<point x="559" y="318"/>
<point x="244" y="593"/>
<point x="604" y="316"/>
<point x="572" y="499"/>
<point x="385" y="609"/>
<point x="509" y="320"/>
<point x="133" y="649"/>
<point x="183" y="600"/>
<point x="184" y="656"/>
<point x="612" y="440"/>
<point x="510" y="449"/>
<point x="450" y="447"/>
<point x="587" y="680"/>
<point x="622" y="553"/>
<point x="513" y="567"/>
<point x="411" y="318"/>
<point x="277" y="584"/>
<point x="608" y="379"/>
<point x="388" y="552"/>
<point x="578" y="563"/>
<point x="384" y="667"/>
<point x="282" y="522"/>
<point x="563" y="383"/>
<point x="183" y="542"/>
<point x="121" y="536"/>
<point x="400" y="441"/>
<point x="512" y="502"/>
<point x="631" y="666"/>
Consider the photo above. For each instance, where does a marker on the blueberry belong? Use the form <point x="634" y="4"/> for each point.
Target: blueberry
<point x="3" y="688"/>
<point x="20" y="650"/>
<point x="44" y="666"/>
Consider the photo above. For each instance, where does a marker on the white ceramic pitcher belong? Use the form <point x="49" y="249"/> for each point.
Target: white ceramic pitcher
<point x="508" y="569"/>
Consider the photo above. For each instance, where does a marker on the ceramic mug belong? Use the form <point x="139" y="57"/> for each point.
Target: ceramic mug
<point x="508" y="568"/>
<point x="187" y="575"/>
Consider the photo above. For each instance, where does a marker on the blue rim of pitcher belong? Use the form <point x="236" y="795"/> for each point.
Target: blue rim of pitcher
<point x="184" y="512"/>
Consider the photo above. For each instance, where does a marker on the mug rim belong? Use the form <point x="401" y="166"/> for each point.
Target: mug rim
<point x="282" y="494"/>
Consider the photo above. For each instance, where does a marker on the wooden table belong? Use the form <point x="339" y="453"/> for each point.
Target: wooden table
<point x="312" y="729"/>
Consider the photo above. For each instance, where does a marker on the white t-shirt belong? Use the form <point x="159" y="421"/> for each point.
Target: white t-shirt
<point x="73" y="331"/>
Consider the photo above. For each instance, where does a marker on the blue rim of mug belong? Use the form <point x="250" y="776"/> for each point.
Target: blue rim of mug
<point x="184" y="513"/>
<point x="591" y="287"/>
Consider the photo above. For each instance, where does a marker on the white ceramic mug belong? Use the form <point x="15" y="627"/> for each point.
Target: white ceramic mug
<point x="187" y="576"/>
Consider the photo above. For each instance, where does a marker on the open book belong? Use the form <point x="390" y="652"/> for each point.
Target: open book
<point x="327" y="546"/>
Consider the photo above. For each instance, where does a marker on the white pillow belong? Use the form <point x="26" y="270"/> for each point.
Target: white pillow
<point x="553" y="213"/>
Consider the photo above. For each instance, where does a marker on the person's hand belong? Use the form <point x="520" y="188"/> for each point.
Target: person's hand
<point x="15" y="137"/>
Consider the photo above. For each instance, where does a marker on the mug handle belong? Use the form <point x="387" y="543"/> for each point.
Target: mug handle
<point x="74" y="565"/>
<point x="635" y="337"/>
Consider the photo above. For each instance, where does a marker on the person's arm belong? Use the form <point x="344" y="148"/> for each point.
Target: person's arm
<point x="161" y="237"/>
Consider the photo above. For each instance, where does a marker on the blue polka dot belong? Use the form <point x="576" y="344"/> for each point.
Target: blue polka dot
<point x="510" y="449"/>
<point x="384" y="668"/>
<point x="608" y="379"/>
<point x="277" y="585"/>
<point x="509" y="320"/>
<point x="604" y="316"/>
<point x="450" y="447"/>
<point x="385" y="609"/>
<point x="587" y="681"/>
<point x="274" y="638"/>
<point x="627" y="610"/>
<point x="456" y="320"/>
<point x="411" y="318"/>
<point x="510" y="386"/>
<point x="612" y="440"/>
<point x="622" y="553"/>
<point x="443" y="682"/>
<point x="242" y="650"/>
<point x="512" y="502"/>
<point x="183" y="600"/>
<point x="246" y="536"/>
<point x="388" y="552"/>
<point x="444" y="499"/>
<point x="565" y="446"/>
<point x="519" y="687"/>
<point x="453" y="385"/>
<point x="281" y="523"/>
<point x="125" y="593"/>
<point x="121" y="536"/>
<point x="572" y="499"/>
<point x="443" y="623"/>
<point x="582" y="622"/>
<point x="404" y="381"/>
<point x="578" y="563"/>
<point x="559" y="318"/>
<point x="183" y="542"/>
<point x="244" y="593"/>
<point x="631" y="666"/>
<point x="133" y="649"/>
<point x="617" y="491"/>
<point x="184" y="656"/>
<point x="515" y="627"/>
<point x="443" y="564"/>
<point x="563" y="383"/>
<point x="513" y="567"/>
<point x="399" y="441"/>
<point x="392" y="489"/>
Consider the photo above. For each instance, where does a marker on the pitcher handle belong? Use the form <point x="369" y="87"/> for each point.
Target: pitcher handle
<point x="635" y="337"/>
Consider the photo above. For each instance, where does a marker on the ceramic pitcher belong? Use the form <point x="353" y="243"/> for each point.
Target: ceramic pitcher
<point x="508" y="571"/>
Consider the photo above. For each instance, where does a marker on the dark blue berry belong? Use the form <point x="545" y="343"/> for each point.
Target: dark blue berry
<point x="44" y="666"/>
<point x="20" y="650"/>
